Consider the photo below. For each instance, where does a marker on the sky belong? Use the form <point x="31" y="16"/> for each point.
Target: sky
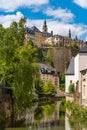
<point x="61" y="15"/>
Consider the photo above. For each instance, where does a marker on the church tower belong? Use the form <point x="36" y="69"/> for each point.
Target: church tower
<point x="69" y="33"/>
<point x="45" y="26"/>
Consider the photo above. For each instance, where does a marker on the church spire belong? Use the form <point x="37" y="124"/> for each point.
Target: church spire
<point x="69" y="33"/>
<point x="45" y="26"/>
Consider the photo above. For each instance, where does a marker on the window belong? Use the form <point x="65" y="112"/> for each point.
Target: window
<point x="70" y="81"/>
<point x="84" y="89"/>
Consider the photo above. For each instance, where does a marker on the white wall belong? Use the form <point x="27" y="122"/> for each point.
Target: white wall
<point x="67" y="124"/>
<point x="77" y="68"/>
<point x="67" y="83"/>
<point x="84" y="89"/>
<point x="83" y="61"/>
<point x="80" y="64"/>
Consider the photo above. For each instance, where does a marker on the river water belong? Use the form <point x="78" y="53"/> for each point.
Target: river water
<point x="45" y="116"/>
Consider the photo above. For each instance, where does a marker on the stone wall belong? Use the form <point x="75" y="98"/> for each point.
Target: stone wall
<point x="61" y="56"/>
<point x="61" y="59"/>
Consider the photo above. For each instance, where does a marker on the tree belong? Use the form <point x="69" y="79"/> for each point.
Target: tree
<point x="62" y="81"/>
<point x="31" y="43"/>
<point x="49" y="89"/>
<point x="74" y="45"/>
<point x="49" y="57"/>
<point x="40" y="54"/>
<point x="39" y="86"/>
<point x="71" y="88"/>
<point x="49" y="109"/>
<point x="17" y="63"/>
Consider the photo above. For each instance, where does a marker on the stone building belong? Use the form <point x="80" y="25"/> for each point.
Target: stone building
<point x="44" y="38"/>
<point x="38" y="37"/>
<point x="59" y="40"/>
<point x="48" y="73"/>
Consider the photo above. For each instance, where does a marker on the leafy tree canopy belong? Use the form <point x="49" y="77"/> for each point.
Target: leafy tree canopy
<point x="17" y="62"/>
<point x="71" y="88"/>
<point x="49" y="89"/>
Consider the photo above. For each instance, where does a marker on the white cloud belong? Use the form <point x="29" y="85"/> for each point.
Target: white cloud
<point x="62" y="14"/>
<point x="60" y="28"/>
<point x="82" y="3"/>
<point x="86" y="38"/>
<point x="11" y="5"/>
<point x="8" y="19"/>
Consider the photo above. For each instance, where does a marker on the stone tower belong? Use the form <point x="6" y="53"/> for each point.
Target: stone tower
<point x="45" y="26"/>
<point x="69" y="33"/>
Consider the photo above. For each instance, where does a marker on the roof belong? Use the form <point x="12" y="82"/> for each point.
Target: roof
<point x="46" y="66"/>
<point x="70" y="70"/>
<point x="46" y="34"/>
<point x="47" y="69"/>
<point x="35" y="29"/>
<point x="32" y="30"/>
<point x="84" y="49"/>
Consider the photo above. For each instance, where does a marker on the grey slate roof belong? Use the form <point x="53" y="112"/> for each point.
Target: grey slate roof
<point x="46" y="34"/>
<point x="84" y="49"/>
<point x="70" y="70"/>
<point x="35" y="29"/>
<point x="32" y="30"/>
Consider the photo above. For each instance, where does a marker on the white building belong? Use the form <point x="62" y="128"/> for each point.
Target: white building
<point x="80" y="64"/>
<point x="70" y="77"/>
<point x="84" y="87"/>
<point x="73" y="74"/>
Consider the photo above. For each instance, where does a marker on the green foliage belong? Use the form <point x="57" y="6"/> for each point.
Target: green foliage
<point x="78" y="114"/>
<point x="71" y="88"/>
<point x="62" y="78"/>
<point x="2" y="121"/>
<point x="44" y="90"/>
<point x="38" y="114"/>
<point x="39" y="86"/>
<point x="17" y="63"/>
<point x="31" y="43"/>
<point x="63" y="104"/>
<point x="62" y="81"/>
<point x="74" y="46"/>
<point x="44" y="109"/>
<point x="62" y="108"/>
<point x="49" y="57"/>
<point x="2" y="118"/>
<point x="40" y="54"/>
<point x="49" y="89"/>
<point x="49" y="109"/>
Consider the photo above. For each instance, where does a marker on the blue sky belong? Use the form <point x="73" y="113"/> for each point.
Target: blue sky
<point x="61" y="15"/>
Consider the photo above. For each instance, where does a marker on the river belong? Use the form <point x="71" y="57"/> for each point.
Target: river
<point x="44" y="116"/>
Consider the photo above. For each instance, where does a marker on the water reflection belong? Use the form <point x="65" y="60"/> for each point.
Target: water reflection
<point x="74" y="124"/>
<point x="43" y="116"/>
<point x="47" y="116"/>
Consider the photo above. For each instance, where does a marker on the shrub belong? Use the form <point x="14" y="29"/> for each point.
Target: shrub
<point x="49" y="89"/>
<point x="71" y="88"/>
<point x="62" y="82"/>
